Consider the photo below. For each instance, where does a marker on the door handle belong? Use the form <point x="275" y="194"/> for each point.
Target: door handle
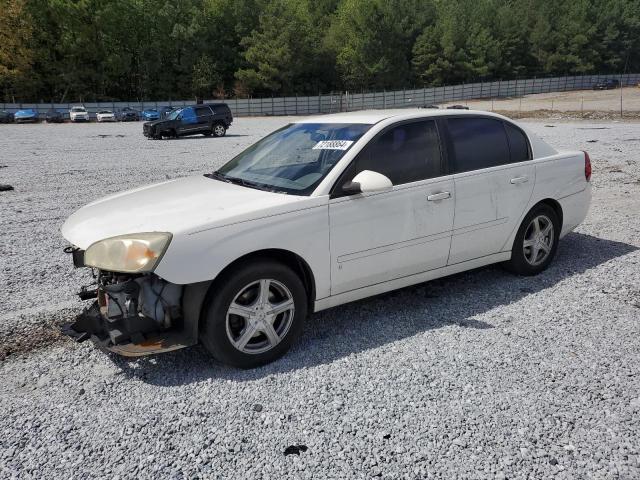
<point x="517" y="180"/>
<point x="438" y="196"/>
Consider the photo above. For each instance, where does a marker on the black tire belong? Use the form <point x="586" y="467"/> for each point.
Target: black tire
<point x="218" y="130"/>
<point x="217" y="326"/>
<point x="522" y="261"/>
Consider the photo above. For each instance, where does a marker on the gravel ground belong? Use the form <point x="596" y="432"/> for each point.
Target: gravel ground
<point x="480" y="375"/>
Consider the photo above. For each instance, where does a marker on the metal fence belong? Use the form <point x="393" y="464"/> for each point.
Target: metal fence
<point x="349" y="101"/>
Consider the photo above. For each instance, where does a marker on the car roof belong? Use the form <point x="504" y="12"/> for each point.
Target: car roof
<point x="375" y="116"/>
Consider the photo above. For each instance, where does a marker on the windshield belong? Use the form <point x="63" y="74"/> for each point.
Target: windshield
<point x="78" y="109"/>
<point x="293" y="159"/>
<point x="174" y="114"/>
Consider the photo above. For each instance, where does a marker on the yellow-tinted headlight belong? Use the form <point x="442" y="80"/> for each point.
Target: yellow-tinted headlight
<point x="135" y="253"/>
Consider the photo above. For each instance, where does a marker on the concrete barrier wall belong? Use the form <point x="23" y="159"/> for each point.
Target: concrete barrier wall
<point x="349" y="101"/>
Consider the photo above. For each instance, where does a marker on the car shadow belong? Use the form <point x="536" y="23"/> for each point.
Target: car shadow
<point x="352" y="328"/>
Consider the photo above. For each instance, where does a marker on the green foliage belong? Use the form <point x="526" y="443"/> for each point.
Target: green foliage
<point x="74" y="50"/>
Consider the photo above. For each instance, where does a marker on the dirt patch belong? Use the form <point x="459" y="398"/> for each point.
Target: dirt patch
<point x="29" y="337"/>
<point x="570" y="114"/>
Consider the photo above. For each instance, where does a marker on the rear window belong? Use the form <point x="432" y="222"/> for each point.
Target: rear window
<point x="478" y="143"/>
<point x="518" y="144"/>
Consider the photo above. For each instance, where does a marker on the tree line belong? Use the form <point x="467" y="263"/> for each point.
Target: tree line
<point x="103" y="50"/>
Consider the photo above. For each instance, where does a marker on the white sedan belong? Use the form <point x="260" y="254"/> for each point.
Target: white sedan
<point x="78" y="114"/>
<point x="322" y="212"/>
<point x="105" y="116"/>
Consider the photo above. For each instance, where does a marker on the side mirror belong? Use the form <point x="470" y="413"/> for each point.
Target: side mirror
<point x="367" y="182"/>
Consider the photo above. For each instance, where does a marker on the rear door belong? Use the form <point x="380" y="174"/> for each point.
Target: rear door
<point x="494" y="181"/>
<point x="380" y="237"/>
<point x="204" y="115"/>
<point x="188" y="121"/>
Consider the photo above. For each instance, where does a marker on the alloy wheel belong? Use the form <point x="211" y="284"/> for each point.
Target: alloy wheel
<point x="260" y="316"/>
<point x="538" y="240"/>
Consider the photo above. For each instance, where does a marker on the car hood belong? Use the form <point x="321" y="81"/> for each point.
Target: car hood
<point x="184" y="206"/>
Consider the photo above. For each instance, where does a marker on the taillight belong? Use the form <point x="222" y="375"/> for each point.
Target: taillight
<point x="587" y="167"/>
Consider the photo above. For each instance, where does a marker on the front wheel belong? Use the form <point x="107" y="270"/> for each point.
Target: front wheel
<point x="254" y="314"/>
<point x="536" y="242"/>
<point x="219" y="130"/>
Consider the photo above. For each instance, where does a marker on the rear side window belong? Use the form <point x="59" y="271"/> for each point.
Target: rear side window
<point x="406" y="153"/>
<point x="518" y="144"/>
<point x="478" y="143"/>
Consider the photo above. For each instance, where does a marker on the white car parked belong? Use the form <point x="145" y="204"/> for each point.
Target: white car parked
<point x="324" y="211"/>
<point x="78" y="114"/>
<point x="105" y="116"/>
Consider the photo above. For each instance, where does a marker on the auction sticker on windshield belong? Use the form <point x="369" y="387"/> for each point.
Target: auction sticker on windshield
<point x="333" y="145"/>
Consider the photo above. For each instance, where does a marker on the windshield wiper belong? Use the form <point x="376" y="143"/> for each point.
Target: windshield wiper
<point x="218" y="176"/>
<point x="240" y="181"/>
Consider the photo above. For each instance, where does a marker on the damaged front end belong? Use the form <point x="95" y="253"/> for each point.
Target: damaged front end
<point x="131" y="314"/>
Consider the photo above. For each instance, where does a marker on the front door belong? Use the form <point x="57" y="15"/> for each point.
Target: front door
<point x="384" y="236"/>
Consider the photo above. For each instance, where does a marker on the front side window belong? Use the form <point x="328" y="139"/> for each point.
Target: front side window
<point x="203" y="111"/>
<point x="478" y="143"/>
<point x="407" y="153"/>
<point x="293" y="159"/>
<point x="173" y="114"/>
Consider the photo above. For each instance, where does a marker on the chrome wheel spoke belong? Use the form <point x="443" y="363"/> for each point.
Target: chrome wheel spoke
<point x="535" y="250"/>
<point x="545" y="247"/>
<point x="240" y="310"/>
<point x="528" y="243"/>
<point x="536" y="225"/>
<point x="548" y="229"/>
<point x="263" y="295"/>
<point x="278" y="308"/>
<point x="270" y="333"/>
<point x="249" y="331"/>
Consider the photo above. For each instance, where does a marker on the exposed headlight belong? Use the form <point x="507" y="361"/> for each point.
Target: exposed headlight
<point x="135" y="253"/>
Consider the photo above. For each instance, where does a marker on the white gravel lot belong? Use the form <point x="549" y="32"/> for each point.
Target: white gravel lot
<point x="481" y="375"/>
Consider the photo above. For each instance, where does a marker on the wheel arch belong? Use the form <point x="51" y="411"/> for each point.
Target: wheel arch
<point x="196" y="295"/>
<point x="554" y="204"/>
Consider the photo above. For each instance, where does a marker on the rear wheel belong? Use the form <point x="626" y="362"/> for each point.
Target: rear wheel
<point x="219" y="130"/>
<point x="536" y="242"/>
<point x="254" y="314"/>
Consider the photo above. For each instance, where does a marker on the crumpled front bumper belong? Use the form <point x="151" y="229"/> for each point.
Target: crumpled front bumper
<point x="130" y="315"/>
<point x="116" y="336"/>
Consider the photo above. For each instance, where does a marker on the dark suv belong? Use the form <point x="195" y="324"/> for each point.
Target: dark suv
<point x="207" y="119"/>
<point x="608" y="84"/>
